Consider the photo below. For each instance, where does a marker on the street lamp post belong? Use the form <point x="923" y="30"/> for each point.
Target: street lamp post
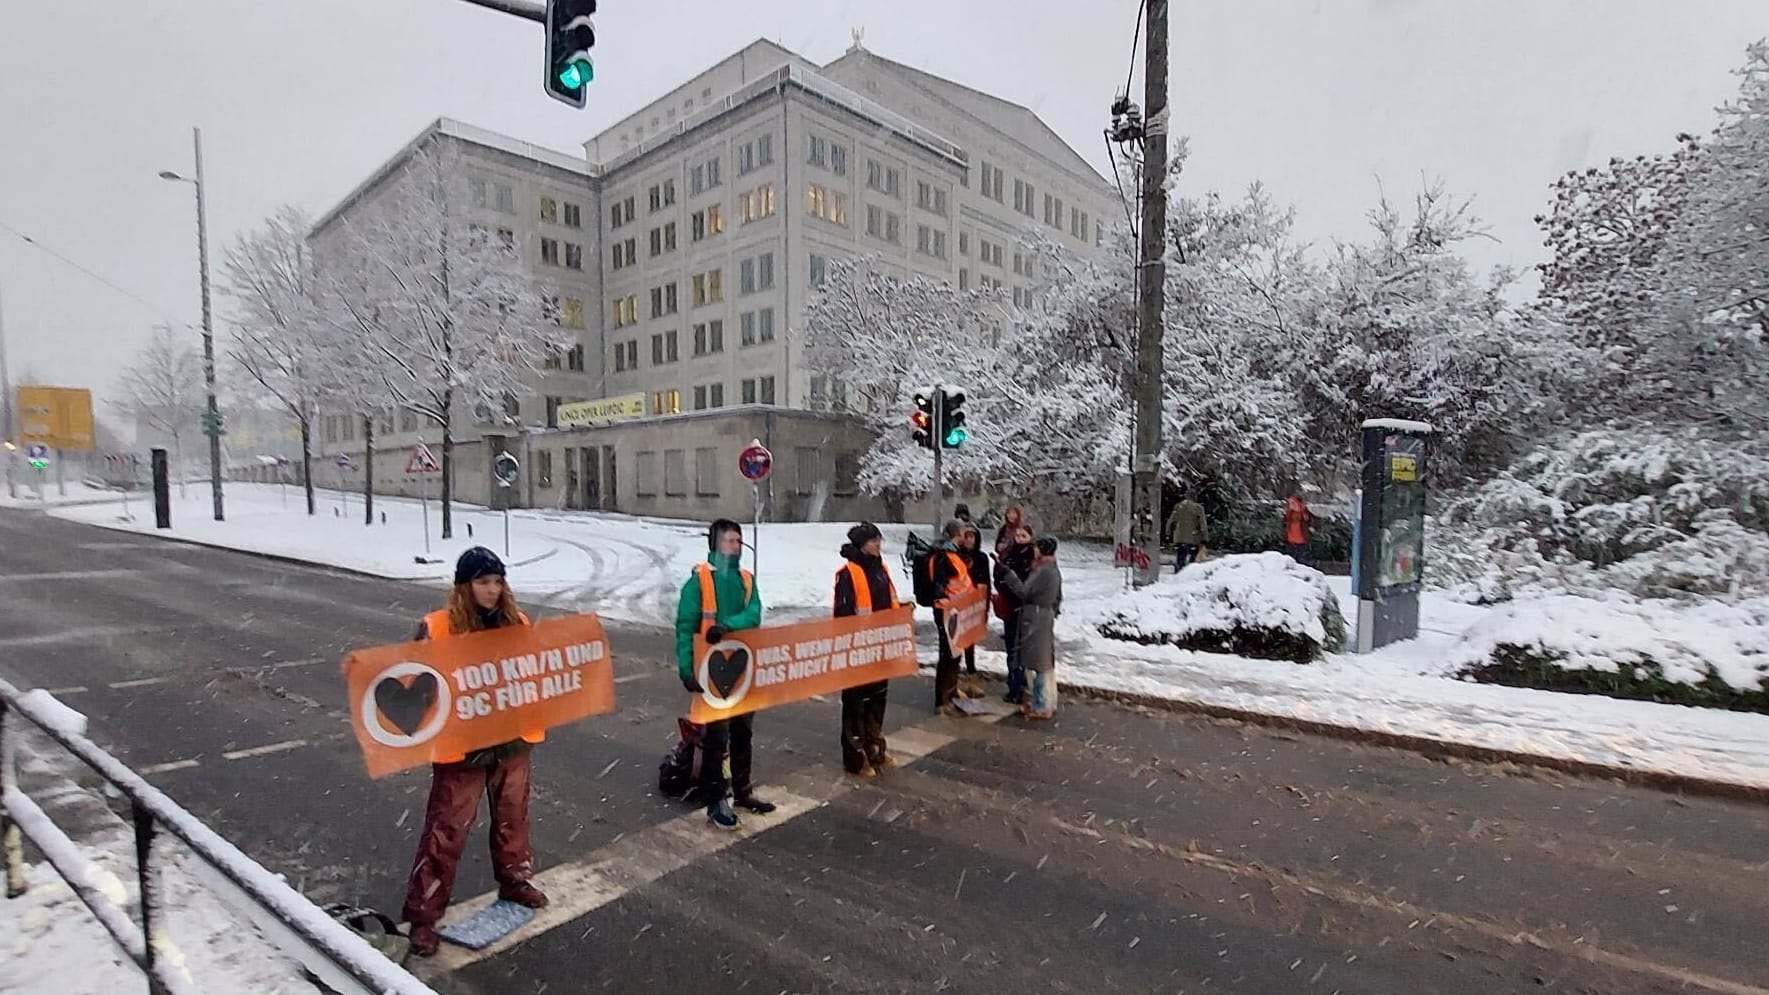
<point x="212" y="418"/>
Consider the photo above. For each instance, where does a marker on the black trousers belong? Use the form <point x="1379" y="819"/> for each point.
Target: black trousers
<point x="863" y="713"/>
<point x="946" y="671"/>
<point x="727" y="738"/>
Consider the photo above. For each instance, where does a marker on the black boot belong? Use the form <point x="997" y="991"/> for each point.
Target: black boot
<point x="750" y="803"/>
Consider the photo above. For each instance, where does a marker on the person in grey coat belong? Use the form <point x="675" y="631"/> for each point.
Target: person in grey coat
<point x="1041" y="601"/>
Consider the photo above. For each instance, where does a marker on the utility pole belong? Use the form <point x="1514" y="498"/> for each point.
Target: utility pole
<point x="939" y="433"/>
<point x="1151" y="284"/>
<point x="6" y="387"/>
<point x="211" y="413"/>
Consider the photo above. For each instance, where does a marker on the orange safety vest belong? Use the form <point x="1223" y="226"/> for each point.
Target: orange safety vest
<point x="1295" y="522"/>
<point x="960" y="581"/>
<point x="709" y="597"/>
<point x="858" y="577"/>
<point x="436" y="627"/>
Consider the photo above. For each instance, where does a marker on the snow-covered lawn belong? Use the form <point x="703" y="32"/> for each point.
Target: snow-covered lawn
<point x="77" y="492"/>
<point x="631" y="569"/>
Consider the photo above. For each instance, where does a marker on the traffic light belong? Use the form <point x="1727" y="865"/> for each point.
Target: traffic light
<point x="952" y="429"/>
<point x="571" y="32"/>
<point x="923" y="420"/>
<point x="212" y="423"/>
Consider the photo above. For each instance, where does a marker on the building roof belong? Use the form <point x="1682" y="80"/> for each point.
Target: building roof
<point x="985" y="107"/>
<point x="461" y="131"/>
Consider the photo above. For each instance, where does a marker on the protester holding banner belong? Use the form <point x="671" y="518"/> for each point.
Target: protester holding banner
<point x="479" y="600"/>
<point x="977" y="564"/>
<point x="863" y="586"/>
<point x="720" y="597"/>
<point x="1041" y="598"/>
<point x="951" y="576"/>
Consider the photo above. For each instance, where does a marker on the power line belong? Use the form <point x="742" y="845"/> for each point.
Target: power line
<point x="137" y="298"/>
<point x="1134" y="37"/>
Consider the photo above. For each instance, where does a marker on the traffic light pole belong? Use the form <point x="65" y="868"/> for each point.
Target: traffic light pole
<point x="939" y="438"/>
<point x="1152" y="278"/>
<point x="530" y="11"/>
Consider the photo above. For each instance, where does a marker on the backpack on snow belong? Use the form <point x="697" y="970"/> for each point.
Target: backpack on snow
<point x="917" y="556"/>
<point x="377" y="929"/>
<point x="679" y="773"/>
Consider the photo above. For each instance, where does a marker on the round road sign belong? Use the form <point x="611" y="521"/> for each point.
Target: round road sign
<point x="505" y="467"/>
<point x="755" y="462"/>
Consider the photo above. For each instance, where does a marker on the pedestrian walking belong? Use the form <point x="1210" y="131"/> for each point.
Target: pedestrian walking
<point x="1017" y="553"/>
<point x="720" y="597"/>
<point x="479" y="600"/>
<point x="1041" y="601"/>
<point x="863" y="585"/>
<point x="977" y="564"/>
<point x="962" y="513"/>
<point x="1011" y="522"/>
<point x="1298" y="527"/>
<point x="951" y="577"/>
<point x="1188" y="528"/>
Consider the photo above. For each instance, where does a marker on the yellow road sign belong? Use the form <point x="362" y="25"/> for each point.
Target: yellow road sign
<point x="58" y="417"/>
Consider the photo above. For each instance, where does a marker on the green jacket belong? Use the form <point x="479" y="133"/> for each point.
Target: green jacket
<point x="733" y="613"/>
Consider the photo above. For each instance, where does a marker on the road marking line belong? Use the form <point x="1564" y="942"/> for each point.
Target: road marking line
<point x="258" y="751"/>
<point x="637" y="859"/>
<point x="76" y="689"/>
<point x="93" y="632"/>
<point x="137" y="683"/>
<point x="631" y="677"/>
<point x="70" y="575"/>
<point x="169" y="765"/>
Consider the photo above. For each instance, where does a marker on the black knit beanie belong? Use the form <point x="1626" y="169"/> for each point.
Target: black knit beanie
<point x="476" y="563"/>
<point x="862" y="534"/>
<point x="717" y="528"/>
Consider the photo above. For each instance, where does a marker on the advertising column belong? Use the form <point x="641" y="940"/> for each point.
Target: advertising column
<point x="1391" y="531"/>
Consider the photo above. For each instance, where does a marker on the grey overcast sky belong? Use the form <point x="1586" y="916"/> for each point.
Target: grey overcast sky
<point x="298" y="100"/>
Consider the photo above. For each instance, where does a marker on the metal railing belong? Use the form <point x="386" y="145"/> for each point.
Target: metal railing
<point x="291" y="923"/>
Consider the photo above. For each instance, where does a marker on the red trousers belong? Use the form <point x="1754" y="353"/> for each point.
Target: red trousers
<point x="455" y="790"/>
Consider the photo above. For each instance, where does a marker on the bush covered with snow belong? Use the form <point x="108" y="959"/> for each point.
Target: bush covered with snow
<point x="1655" y="514"/>
<point x="1709" y="653"/>
<point x="1262" y="605"/>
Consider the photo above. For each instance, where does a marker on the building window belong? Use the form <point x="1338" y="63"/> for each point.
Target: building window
<point x="708" y="288"/>
<point x="930" y="198"/>
<point x="749" y="391"/>
<point x="829" y="205"/>
<point x="1099" y="233"/>
<point x="930" y="241"/>
<point x="758" y="203"/>
<point x="669" y="237"/>
<point x="847" y="474"/>
<point x="993" y="182"/>
<point x="675" y="473"/>
<point x="554" y="360"/>
<point x="574" y="359"/>
<point x="657" y="349"/>
<point x="550" y="251"/>
<point x="815" y="150"/>
<point x="553" y="410"/>
<point x="666" y="402"/>
<point x="964" y="279"/>
<point x="574" y="217"/>
<point x="671" y="352"/>
<point x="717" y="395"/>
<point x="700" y="397"/>
<point x="574" y="256"/>
<point x="819" y="270"/>
<point x="885" y="179"/>
<point x="544" y="468"/>
<point x="696" y="178"/>
<point x="709" y="338"/>
<point x="754" y="155"/>
<point x="706" y="472"/>
<point x="807" y="469"/>
<point x="506" y="199"/>
<point x="626" y="310"/>
<point x="747" y="325"/>
<point x="964" y="243"/>
<point x="476" y="192"/>
<point x="767" y="390"/>
<point x="765" y="324"/>
<point x="663" y="300"/>
<point x="712" y="172"/>
<point x="549" y="210"/>
<point x="656" y="242"/>
<point x="1023" y="197"/>
<point x="645" y="473"/>
<point x="838" y="160"/>
<point x="623" y="213"/>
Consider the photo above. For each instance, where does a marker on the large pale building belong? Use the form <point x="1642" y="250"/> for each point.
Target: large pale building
<point x="685" y="243"/>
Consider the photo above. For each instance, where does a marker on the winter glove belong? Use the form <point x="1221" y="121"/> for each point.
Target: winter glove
<point x="715" y="635"/>
<point x="692" y="686"/>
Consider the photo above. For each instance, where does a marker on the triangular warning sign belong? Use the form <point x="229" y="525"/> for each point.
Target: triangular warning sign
<point x="422" y="461"/>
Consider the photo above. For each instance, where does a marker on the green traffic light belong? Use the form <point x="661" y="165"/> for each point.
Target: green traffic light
<point x="39" y="464"/>
<point x="956" y="437"/>
<point x="578" y="72"/>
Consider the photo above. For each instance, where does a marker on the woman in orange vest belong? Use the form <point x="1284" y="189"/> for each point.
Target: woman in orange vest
<point x="479" y="600"/>
<point x="1298" y="523"/>
<point x="951" y="576"/>
<point x="863" y="585"/>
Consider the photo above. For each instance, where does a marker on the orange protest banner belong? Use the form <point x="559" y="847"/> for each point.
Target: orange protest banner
<point x="435" y="701"/>
<point x="759" y="668"/>
<point x="967" y="619"/>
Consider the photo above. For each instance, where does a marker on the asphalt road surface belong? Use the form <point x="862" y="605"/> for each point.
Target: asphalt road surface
<point x="1114" y="850"/>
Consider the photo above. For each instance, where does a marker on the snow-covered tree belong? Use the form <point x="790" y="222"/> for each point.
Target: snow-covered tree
<point x="884" y="338"/>
<point x="163" y="390"/>
<point x="443" y="315"/>
<point x="279" y="333"/>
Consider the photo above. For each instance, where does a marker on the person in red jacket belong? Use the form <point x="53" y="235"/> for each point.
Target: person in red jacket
<point x="1298" y="526"/>
<point x="862" y="586"/>
<point x="479" y="600"/>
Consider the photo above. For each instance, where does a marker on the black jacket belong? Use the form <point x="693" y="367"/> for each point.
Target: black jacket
<point x="880" y="593"/>
<point x="978" y="562"/>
